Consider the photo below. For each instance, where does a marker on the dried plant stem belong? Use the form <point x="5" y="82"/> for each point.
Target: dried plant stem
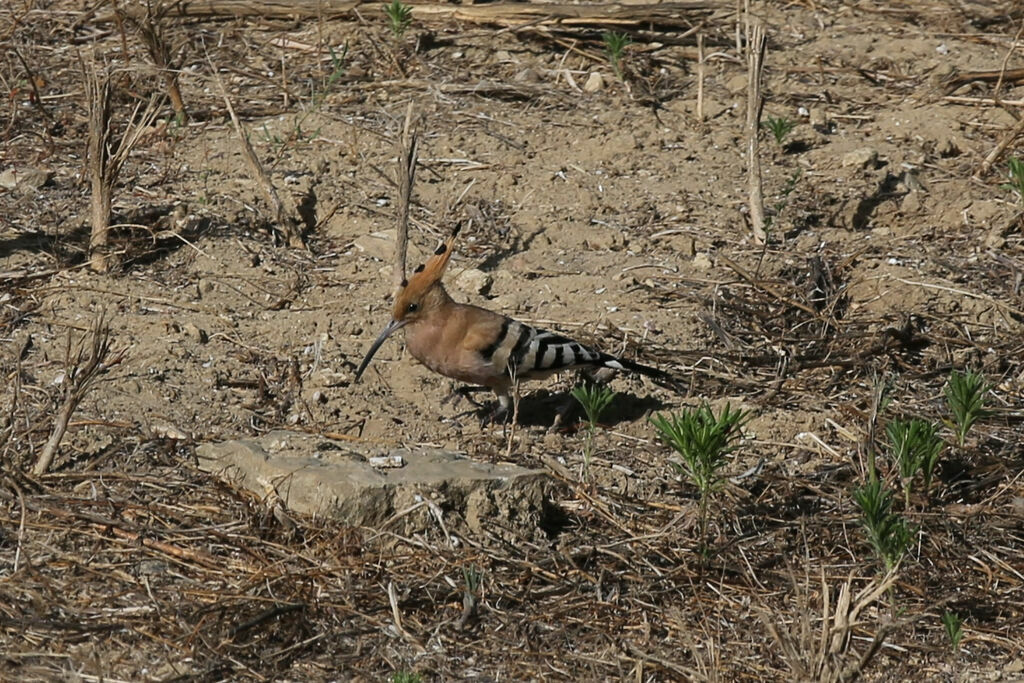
<point x="700" y="77"/>
<point x="80" y="373"/>
<point x="97" y="90"/>
<point x="284" y="217"/>
<point x="755" y="67"/>
<point x="160" y="53"/>
<point x="515" y="417"/>
<point x="406" y="178"/>
<point x="106" y="157"/>
<point x="997" y="151"/>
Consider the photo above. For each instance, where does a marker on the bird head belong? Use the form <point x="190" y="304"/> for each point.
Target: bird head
<point x="417" y="296"/>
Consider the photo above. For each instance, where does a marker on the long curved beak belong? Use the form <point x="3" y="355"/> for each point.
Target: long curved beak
<point x="385" y="333"/>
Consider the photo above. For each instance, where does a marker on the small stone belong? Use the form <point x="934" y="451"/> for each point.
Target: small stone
<point x="527" y="75"/>
<point x="474" y="281"/>
<point x="861" y="158"/>
<point x="169" y="432"/>
<point x="379" y="245"/>
<point x="204" y="286"/>
<point x="595" y="82"/>
<point x="995" y="240"/>
<point x="736" y="84"/>
<point x="193" y="332"/>
<point x="947" y="147"/>
<point x="702" y="261"/>
<point x="386" y="461"/>
<point x="684" y="245"/>
<point x="25" y="181"/>
<point x="817" y="119"/>
<point x="605" y="239"/>
<point x="911" y="204"/>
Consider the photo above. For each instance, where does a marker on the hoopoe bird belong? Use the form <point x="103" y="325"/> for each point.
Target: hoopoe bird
<point x="478" y="346"/>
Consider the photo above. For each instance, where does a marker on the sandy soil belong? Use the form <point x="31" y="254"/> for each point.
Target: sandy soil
<point x="617" y="216"/>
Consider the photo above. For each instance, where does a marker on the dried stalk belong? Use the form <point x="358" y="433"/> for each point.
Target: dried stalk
<point x="80" y="373"/>
<point x="160" y="53"/>
<point x="97" y="93"/>
<point x="283" y="217"/>
<point x="818" y="656"/>
<point x="406" y="178"/>
<point x="997" y="151"/>
<point x="512" y="14"/>
<point x="701" y="69"/>
<point x="106" y="158"/>
<point x="755" y="68"/>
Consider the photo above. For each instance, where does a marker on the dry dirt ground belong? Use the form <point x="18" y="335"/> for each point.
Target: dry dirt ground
<point x="616" y="214"/>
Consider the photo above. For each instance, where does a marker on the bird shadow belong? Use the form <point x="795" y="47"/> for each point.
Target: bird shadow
<point x="538" y="409"/>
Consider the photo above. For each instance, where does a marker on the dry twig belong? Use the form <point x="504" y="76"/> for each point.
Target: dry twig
<point x="106" y="156"/>
<point x="406" y="178"/>
<point x="80" y="373"/>
<point x="284" y="217"/>
<point x="160" y="53"/>
<point x="756" y="48"/>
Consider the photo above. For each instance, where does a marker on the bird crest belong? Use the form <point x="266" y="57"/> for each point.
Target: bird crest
<point x="426" y="274"/>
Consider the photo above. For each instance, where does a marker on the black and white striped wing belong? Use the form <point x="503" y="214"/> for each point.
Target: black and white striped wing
<point x="525" y="351"/>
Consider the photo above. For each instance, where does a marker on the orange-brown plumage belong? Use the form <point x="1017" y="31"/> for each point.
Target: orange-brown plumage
<point x="477" y="346"/>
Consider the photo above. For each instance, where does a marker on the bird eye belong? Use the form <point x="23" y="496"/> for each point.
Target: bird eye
<point x="412" y="308"/>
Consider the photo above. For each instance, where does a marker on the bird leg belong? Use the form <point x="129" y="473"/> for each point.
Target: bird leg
<point x="501" y="413"/>
<point x="463" y="393"/>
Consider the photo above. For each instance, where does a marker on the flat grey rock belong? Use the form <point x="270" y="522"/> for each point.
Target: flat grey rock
<point x="315" y="475"/>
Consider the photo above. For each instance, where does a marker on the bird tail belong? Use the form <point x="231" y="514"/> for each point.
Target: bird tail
<point x="659" y="377"/>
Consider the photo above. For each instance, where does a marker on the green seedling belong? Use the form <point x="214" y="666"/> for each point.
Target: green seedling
<point x="704" y="441"/>
<point x="595" y="399"/>
<point x="888" y="533"/>
<point x="399" y="18"/>
<point x="780" y="127"/>
<point x="406" y="677"/>
<point x="954" y="629"/>
<point x="614" y="48"/>
<point x="338" y="68"/>
<point x="915" y="445"/>
<point x="1016" y="183"/>
<point x="965" y="398"/>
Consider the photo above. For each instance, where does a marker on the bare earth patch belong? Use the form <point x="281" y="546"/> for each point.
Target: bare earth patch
<point x="614" y="208"/>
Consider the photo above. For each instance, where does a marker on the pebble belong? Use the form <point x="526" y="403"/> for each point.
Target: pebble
<point x="379" y="245"/>
<point x="595" y="82"/>
<point x="862" y="158"/>
<point x="474" y="281"/>
<point x="192" y="331"/>
<point x="702" y="261"/>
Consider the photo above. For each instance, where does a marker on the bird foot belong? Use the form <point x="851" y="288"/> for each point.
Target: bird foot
<point x="463" y="393"/>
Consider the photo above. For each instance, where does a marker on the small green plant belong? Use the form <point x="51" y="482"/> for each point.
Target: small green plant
<point x="614" y="48"/>
<point x="406" y="677"/>
<point x="338" y="68"/>
<point x="915" y="445"/>
<point x="1016" y="183"/>
<point x="965" y="398"/>
<point x="704" y="440"/>
<point x="399" y="18"/>
<point x="780" y="127"/>
<point x="595" y="399"/>
<point x="954" y="629"/>
<point x="888" y="533"/>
